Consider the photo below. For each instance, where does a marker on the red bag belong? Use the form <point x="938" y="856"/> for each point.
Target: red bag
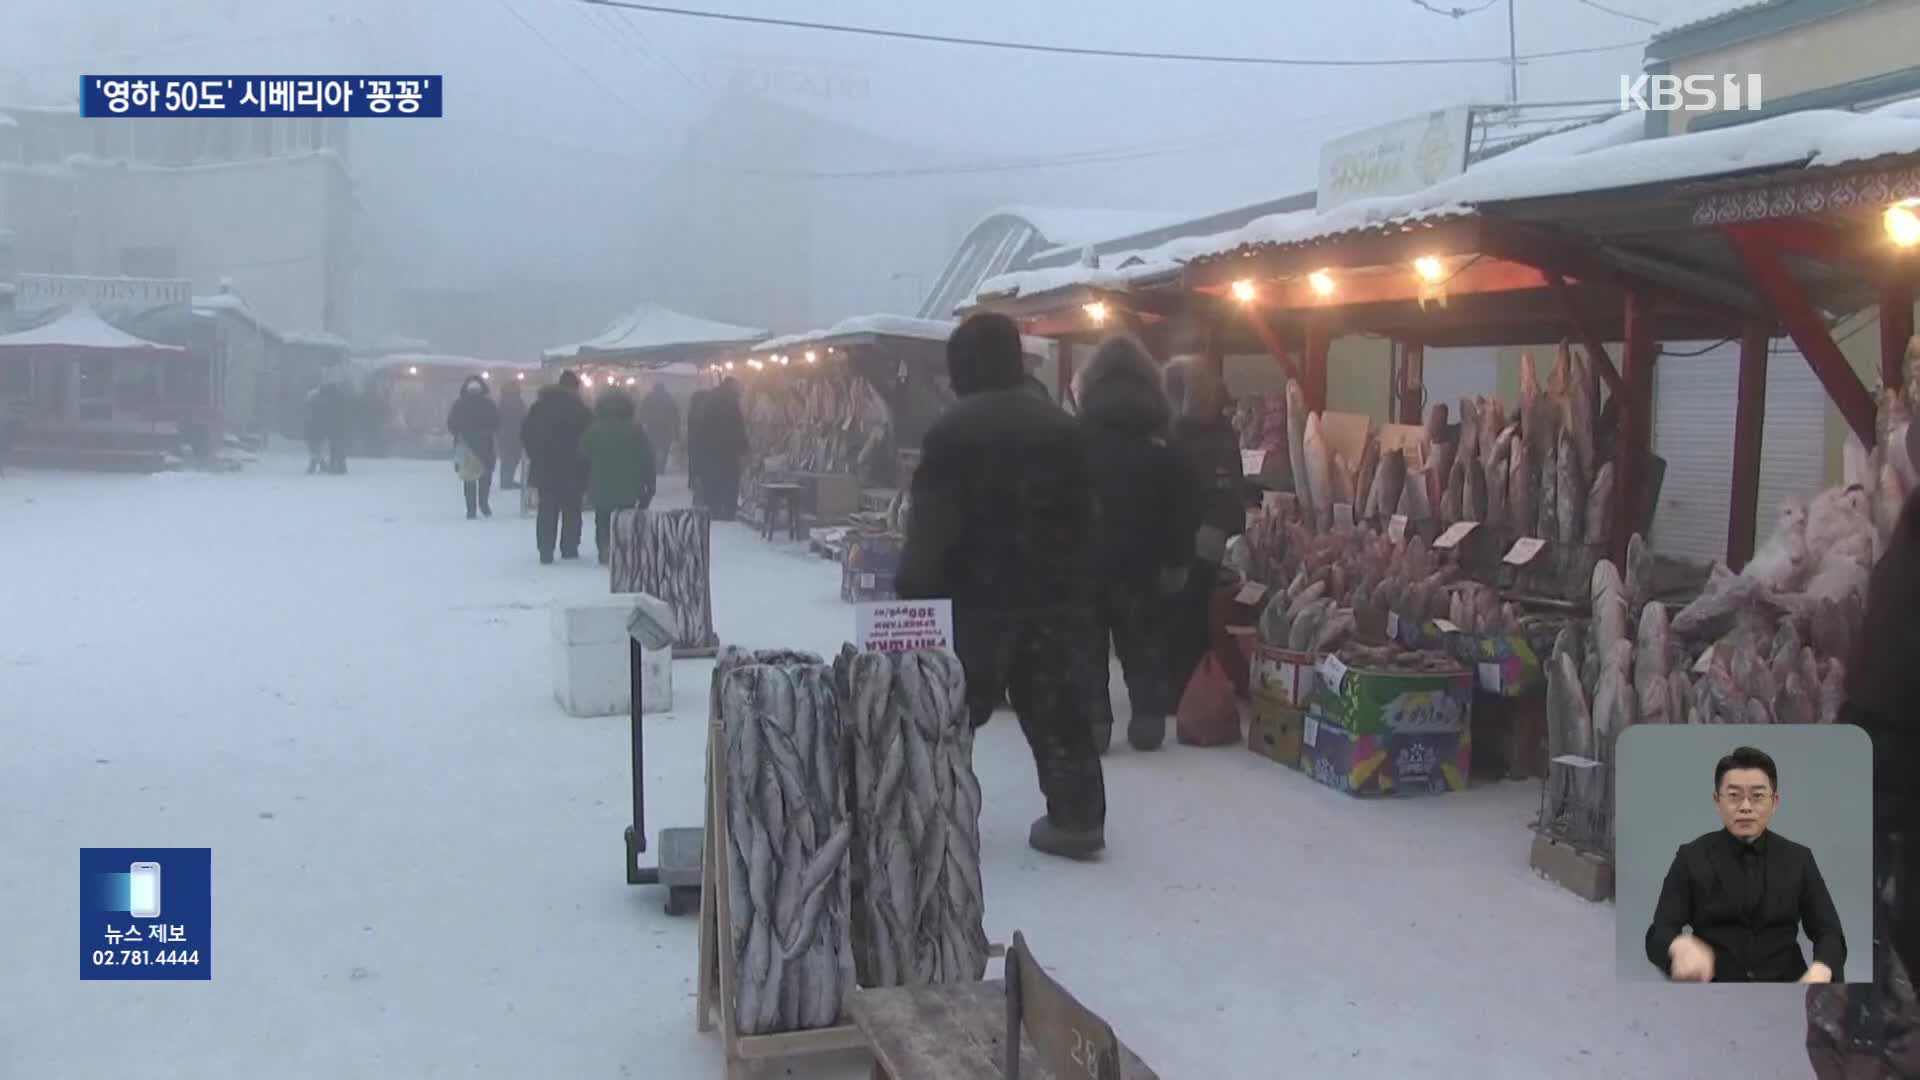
<point x="1208" y="715"/>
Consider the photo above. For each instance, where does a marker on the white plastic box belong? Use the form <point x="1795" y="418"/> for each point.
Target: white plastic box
<point x="590" y="665"/>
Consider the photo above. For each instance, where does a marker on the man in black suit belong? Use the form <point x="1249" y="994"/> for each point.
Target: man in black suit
<point x="1735" y="899"/>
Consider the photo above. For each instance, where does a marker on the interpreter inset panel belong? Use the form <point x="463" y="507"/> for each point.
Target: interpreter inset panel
<point x="1744" y="853"/>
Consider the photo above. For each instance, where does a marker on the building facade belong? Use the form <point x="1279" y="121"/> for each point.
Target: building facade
<point x="264" y="205"/>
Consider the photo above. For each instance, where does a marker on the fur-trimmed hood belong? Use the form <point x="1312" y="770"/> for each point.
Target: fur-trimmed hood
<point x="1120" y="388"/>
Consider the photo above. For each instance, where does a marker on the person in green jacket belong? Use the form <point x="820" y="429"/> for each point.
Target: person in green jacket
<point x="620" y="465"/>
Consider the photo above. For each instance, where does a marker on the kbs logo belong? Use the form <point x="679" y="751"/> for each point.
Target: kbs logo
<point x="1692" y="93"/>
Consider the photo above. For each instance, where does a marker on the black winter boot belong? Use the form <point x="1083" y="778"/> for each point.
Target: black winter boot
<point x="1065" y="841"/>
<point x="1147" y="732"/>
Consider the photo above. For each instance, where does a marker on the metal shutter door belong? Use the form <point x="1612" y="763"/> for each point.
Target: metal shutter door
<point x="1452" y="374"/>
<point x="1693" y="409"/>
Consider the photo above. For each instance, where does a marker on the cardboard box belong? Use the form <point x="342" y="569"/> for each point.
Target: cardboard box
<point x="865" y="586"/>
<point x="592" y="670"/>
<point x="877" y="553"/>
<point x="1391" y="702"/>
<point x="1274" y="732"/>
<point x="1282" y="676"/>
<point x="835" y="497"/>
<point x="1367" y="766"/>
<point x="1509" y="736"/>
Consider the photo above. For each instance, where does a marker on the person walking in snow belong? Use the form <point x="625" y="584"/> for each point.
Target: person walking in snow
<point x="1001" y="523"/>
<point x="513" y="411"/>
<point x="316" y="433"/>
<point x="1142" y="548"/>
<point x="723" y="446"/>
<point x="621" y="465"/>
<point x="1214" y="513"/>
<point x="696" y="439"/>
<point x="555" y="468"/>
<point x="332" y="415"/>
<point x="660" y="417"/>
<point x="474" y="423"/>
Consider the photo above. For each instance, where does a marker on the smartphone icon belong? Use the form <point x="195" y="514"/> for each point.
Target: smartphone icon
<point x="143" y="893"/>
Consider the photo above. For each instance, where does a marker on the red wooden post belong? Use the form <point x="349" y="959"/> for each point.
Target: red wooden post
<point x="1749" y="422"/>
<point x="1808" y="330"/>
<point x="1216" y="359"/>
<point x="1315" y="375"/>
<point x="1896" y="329"/>
<point x="1634" y="441"/>
<point x="1062" y="368"/>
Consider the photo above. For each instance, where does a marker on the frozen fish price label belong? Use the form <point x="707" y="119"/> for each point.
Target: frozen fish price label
<point x="1523" y="550"/>
<point x="1253" y="462"/>
<point x="1490" y="677"/>
<point x="1251" y="593"/>
<point x="897" y="626"/>
<point x="1397" y="529"/>
<point x="1393" y="624"/>
<point x="1343" y="515"/>
<point x="1334" y="670"/>
<point x="1445" y="627"/>
<point x="146" y="914"/>
<point x="1455" y="533"/>
<point x="210" y="96"/>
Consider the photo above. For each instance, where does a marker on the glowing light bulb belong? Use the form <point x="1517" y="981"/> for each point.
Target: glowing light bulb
<point x="631" y="380"/>
<point x="1244" y="291"/>
<point x="782" y="359"/>
<point x="486" y="374"/>
<point x="413" y="369"/>
<point x="1903" y="223"/>
<point x="1322" y="283"/>
<point x="811" y="357"/>
<point x="587" y="382"/>
<point x="1429" y="268"/>
<point x="1097" y="311"/>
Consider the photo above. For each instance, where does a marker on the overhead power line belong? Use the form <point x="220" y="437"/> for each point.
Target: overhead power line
<point x="1598" y="6"/>
<point x="1118" y="54"/>
<point x="1454" y="12"/>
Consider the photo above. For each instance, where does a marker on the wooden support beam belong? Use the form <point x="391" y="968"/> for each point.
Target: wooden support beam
<point x="1749" y="425"/>
<point x="1896" y="330"/>
<point x="1634" y="442"/>
<point x="1547" y="250"/>
<point x="1582" y="329"/>
<point x="1412" y="391"/>
<point x="1808" y="330"/>
<point x="1315" y="365"/>
<point x="1807" y="238"/>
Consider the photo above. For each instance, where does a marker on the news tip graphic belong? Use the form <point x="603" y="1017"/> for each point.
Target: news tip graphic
<point x="1712" y="819"/>
<point x="146" y="913"/>
<point x="340" y="96"/>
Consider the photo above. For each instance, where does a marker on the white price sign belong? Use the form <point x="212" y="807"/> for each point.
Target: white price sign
<point x="1490" y="680"/>
<point x="1445" y="627"/>
<point x="1343" y="515"/>
<point x="1310" y="734"/>
<point x="1393" y="624"/>
<point x="1701" y="666"/>
<point x="1253" y="462"/>
<point x="1455" y="533"/>
<point x="1397" y="529"/>
<point x="896" y="626"/>
<point x="1251" y="593"/>
<point x="1334" y="670"/>
<point x="1523" y="550"/>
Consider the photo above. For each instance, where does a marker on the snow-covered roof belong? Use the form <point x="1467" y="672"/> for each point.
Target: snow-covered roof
<point x="1065" y="227"/>
<point x="1815" y="138"/>
<point x="317" y="340"/>
<point x="80" y="327"/>
<point x="903" y="326"/>
<point x="442" y="362"/>
<point x="651" y="327"/>
<point x="1699" y="13"/>
<point x="233" y="305"/>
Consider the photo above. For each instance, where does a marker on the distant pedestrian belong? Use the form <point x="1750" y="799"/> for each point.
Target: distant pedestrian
<point x="660" y="416"/>
<point x="332" y="415"/>
<point x="1216" y="511"/>
<point x="555" y="468"/>
<point x="696" y="436"/>
<point x="723" y="450"/>
<point x="1001" y="523"/>
<point x="1142" y="548"/>
<point x="621" y="465"/>
<point x="474" y="423"/>
<point x="513" y="410"/>
<point x="316" y="433"/>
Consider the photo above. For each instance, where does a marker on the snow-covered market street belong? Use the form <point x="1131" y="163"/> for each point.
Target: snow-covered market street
<point x="343" y="688"/>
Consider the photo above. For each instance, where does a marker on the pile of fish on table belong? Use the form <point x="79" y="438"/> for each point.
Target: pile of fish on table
<point x="821" y="421"/>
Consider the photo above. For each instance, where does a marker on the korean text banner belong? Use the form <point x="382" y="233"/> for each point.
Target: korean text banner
<point x="104" y="96"/>
<point x="146" y="913"/>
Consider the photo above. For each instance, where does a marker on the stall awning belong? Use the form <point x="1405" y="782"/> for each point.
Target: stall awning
<point x="80" y="329"/>
<point x="650" y="335"/>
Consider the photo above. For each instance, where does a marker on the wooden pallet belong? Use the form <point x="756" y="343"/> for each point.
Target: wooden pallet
<point x="715" y="976"/>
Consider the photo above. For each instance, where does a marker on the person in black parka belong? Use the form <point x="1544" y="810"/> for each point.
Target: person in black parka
<point x="1215" y="512"/>
<point x="1001" y="524"/>
<point x="474" y="423"/>
<point x="723" y="446"/>
<point x="1142" y="546"/>
<point x="556" y="469"/>
<point x="660" y="418"/>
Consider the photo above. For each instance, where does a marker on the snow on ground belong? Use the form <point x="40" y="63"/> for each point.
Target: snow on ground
<point x="342" y="687"/>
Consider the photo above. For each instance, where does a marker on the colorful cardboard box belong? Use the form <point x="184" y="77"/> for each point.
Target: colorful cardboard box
<point x="1506" y="664"/>
<point x="1376" y="765"/>
<point x="1391" y="702"/>
<point x="867" y="569"/>
<point x="1275" y="730"/>
<point x="1282" y="676"/>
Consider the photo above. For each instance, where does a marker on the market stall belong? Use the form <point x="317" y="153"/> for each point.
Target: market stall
<point x="83" y="393"/>
<point x="410" y="393"/>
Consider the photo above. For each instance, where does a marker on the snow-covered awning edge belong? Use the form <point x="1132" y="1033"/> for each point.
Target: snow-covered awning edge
<point x="862" y="326"/>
